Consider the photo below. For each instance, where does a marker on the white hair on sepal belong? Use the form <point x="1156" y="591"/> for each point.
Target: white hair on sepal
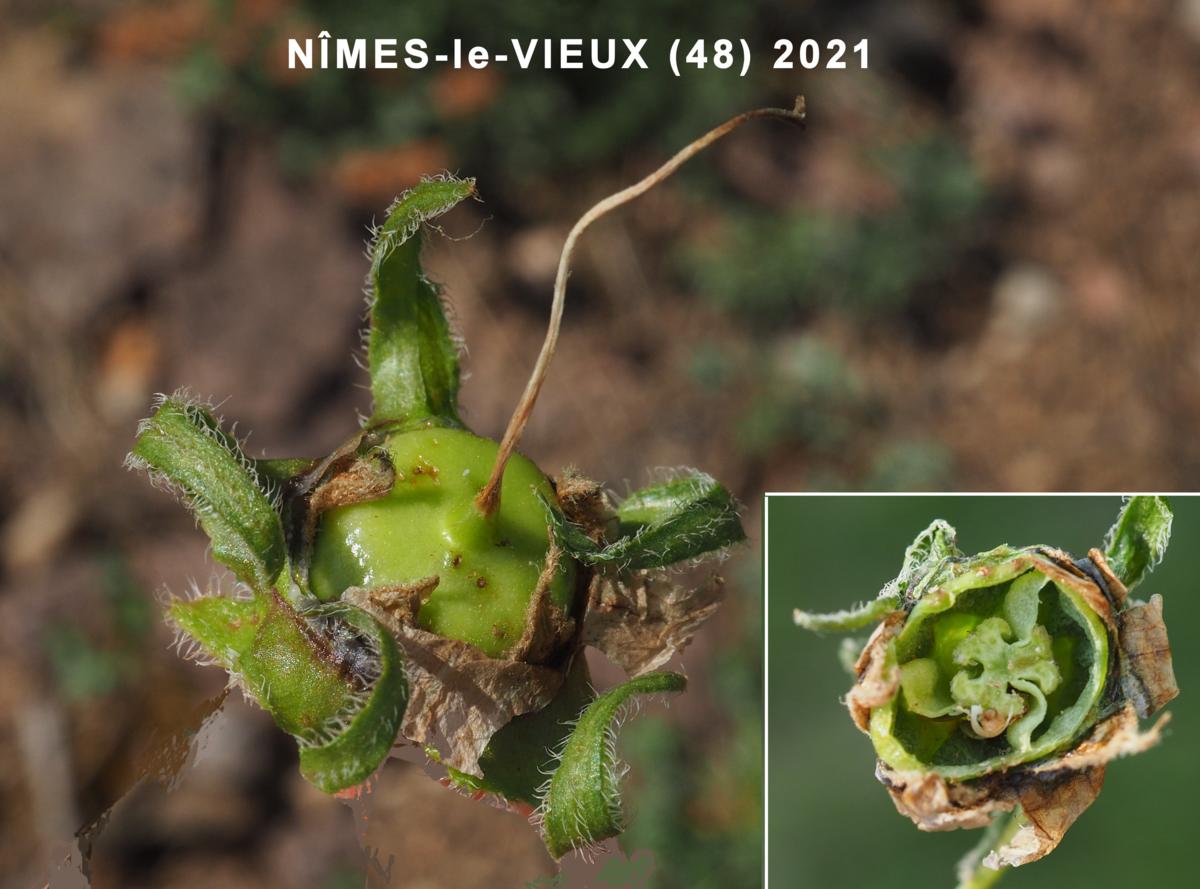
<point x="200" y="412"/>
<point x="381" y="240"/>
<point x="189" y="648"/>
<point x="614" y="772"/>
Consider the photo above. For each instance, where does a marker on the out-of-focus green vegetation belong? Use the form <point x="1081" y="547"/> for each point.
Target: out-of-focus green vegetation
<point x="770" y="270"/>
<point x="774" y="264"/>
<point x="809" y="392"/>
<point x="830" y="822"/>
<point x="804" y="391"/>
<point x="915" y="206"/>
<point x="699" y="810"/>
<point x="910" y="465"/>
<point x="96" y="662"/>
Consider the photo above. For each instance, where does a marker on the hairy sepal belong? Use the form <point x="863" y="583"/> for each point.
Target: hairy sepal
<point x="522" y="753"/>
<point x="581" y="802"/>
<point x="333" y="680"/>
<point x="411" y="354"/>
<point x="928" y="552"/>
<point x="686" y="517"/>
<point x="1137" y="541"/>
<point x="183" y="446"/>
<point x="363" y="735"/>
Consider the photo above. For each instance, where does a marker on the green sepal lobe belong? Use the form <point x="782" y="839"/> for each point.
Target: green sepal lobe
<point x="931" y="548"/>
<point x="344" y="719"/>
<point x="411" y="354"/>
<point x="1137" y="541"/>
<point x="684" y="518"/>
<point x="272" y="652"/>
<point x="519" y="756"/>
<point x="183" y="444"/>
<point x="581" y="804"/>
<point x="365" y="739"/>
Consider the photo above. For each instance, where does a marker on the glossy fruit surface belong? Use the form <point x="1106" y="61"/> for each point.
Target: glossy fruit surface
<point x="428" y="525"/>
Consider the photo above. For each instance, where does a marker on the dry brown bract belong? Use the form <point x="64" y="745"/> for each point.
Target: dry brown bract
<point x="641" y="622"/>
<point x="877" y="672"/>
<point x="638" y="619"/>
<point x="357" y="471"/>
<point x="1051" y="794"/>
<point x="1147" y="676"/>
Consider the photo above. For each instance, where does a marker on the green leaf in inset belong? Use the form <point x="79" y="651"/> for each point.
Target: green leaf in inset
<point x="1136" y="542"/>
<point x="581" y="803"/>
<point x="183" y="445"/>
<point x="411" y="354"/>
<point x="931" y="547"/>
<point x="850" y="619"/>
<point x="689" y="516"/>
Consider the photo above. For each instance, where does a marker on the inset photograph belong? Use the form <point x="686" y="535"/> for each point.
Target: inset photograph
<point x="952" y="679"/>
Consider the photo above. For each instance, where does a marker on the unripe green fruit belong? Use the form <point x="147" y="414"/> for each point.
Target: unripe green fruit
<point x="428" y="525"/>
<point x="983" y="683"/>
<point x="338" y="558"/>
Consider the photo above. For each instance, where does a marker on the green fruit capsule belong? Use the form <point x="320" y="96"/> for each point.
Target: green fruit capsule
<point x="982" y="683"/>
<point x="997" y="687"/>
<point x="487" y="567"/>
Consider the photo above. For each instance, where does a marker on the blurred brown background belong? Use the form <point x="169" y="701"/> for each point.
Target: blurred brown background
<point x="975" y="269"/>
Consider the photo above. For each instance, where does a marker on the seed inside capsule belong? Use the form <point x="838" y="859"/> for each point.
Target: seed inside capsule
<point x="989" y="723"/>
